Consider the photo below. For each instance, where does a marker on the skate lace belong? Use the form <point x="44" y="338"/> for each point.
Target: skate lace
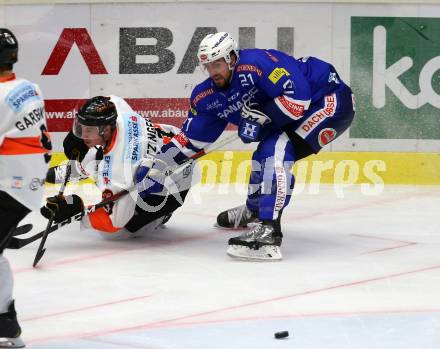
<point x="256" y="231"/>
<point x="236" y="214"/>
<point x="260" y="232"/>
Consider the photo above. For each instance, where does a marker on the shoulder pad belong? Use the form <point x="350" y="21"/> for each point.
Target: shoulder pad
<point x="201" y="92"/>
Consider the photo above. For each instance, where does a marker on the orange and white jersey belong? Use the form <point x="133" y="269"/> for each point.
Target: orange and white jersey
<point x="23" y="157"/>
<point x="133" y="139"/>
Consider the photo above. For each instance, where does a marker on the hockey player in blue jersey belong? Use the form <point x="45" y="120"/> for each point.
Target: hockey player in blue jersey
<point x="290" y="107"/>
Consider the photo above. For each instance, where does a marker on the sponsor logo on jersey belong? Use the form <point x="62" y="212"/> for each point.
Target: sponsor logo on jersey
<point x="152" y="138"/>
<point x="277" y="74"/>
<point x="182" y="139"/>
<point x="106" y="194"/>
<point x="193" y="111"/>
<point x="318" y="116"/>
<point x="333" y="77"/>
<point x="249" y="68"/>
<point x="294" y="109"/>
<point x="326" y="135"/>
<point x="233" y="96"/>
<point x="36" y="183"/>
<point x="202" y="95"/>
<point x="281" y="188"/>
<point x="31" y="119"/>
<point x="214" y="105"/>
<point x="236" y="106"/>
<point x="272" y="57"/>
<point x="107" y="169"/>
<point x="17" y="182"/>
<point x="21" y="95"/>
<point x="132" y="150"/>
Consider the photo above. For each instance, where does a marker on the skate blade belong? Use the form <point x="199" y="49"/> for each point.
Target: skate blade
<point x="263" y="254"/>
<point x="11" y="342"/>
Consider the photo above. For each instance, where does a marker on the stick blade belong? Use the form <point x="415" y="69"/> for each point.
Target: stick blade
<point x="24" y="229"/>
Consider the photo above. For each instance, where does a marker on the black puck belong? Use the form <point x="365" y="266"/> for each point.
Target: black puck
<point x="281" y="334"/>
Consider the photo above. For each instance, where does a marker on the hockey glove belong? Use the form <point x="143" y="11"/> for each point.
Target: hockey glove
<point x="150" y="176"/>
<point x="251" y="123"/>
<point x="74" y="147"/>
<point x="62" y="207"/>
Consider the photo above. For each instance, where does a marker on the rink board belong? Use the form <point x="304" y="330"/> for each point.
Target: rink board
<point x="346" y="168"/>
<point x="147" y="54"/>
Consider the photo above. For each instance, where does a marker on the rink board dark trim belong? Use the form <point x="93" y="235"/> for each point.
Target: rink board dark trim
<point x="172" y="111"/>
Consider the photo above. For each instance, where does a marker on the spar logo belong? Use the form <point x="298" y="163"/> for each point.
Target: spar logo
<point x="160" y="50"/>
<point x="395" y="76"/>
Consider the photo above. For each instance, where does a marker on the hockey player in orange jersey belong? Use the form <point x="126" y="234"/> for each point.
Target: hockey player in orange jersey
<point x="24" y="157"/>
<point x="111" y="142"/>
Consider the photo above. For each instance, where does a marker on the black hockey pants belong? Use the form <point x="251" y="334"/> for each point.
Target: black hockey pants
<point x="11" y="213"/>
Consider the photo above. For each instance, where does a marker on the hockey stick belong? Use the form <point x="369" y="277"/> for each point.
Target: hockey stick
<point x="17" y="243"/>
<point x="41" y="249"/>
<point x="24" y="229"/>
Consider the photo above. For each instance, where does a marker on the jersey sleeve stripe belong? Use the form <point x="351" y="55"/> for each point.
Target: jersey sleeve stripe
<point x="22" y="145"/>
<point x="100" y="220"/>
<point x="291" y="107"/>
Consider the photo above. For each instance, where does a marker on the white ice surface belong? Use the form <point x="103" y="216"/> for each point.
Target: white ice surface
<point x="360" y="271"/>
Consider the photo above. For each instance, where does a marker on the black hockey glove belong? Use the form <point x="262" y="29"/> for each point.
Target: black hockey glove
<point x="74" y="147"/>
<point x="62" y="207"/>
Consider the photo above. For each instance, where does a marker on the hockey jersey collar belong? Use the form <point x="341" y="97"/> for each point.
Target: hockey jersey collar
<point x="112" y="143"/>
<point x="7" y="78"/>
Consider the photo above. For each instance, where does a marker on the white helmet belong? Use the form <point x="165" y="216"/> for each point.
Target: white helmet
<point x="216" y="46"/>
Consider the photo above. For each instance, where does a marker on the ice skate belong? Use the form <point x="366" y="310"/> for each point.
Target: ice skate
<point x="260" y="243"/>
<point x="10" y="330"/>
<point x="237" y="217"/>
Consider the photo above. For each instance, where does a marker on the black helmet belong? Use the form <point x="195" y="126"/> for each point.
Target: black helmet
<point x="98" y="111"/>
<point x="8" y="47"/>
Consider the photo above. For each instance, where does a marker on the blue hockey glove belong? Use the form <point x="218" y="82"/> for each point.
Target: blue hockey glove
<point x="150" y="176"/>
<point x="251" y="123"/>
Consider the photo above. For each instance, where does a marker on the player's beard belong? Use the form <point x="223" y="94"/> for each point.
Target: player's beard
<point x="221" y="82"/>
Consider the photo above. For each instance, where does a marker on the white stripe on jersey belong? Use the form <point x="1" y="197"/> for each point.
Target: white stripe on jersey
<point x="318" y="116"/>
<point x="280" y="174"/>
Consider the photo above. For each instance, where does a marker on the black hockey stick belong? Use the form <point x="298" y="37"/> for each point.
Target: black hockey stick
<point x="24" y="229"/>
<point x="41" y="249"/>
<point x="16" y="243"/>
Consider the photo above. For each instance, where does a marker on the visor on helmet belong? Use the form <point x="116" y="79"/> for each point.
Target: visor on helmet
<point x="212" y="66"/>
<point x="86" y="132"/>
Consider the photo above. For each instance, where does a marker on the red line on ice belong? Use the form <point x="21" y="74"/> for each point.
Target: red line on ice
<point x="85" y="308"/>
<point x="401" y="243"/>
<point x="172" y="321"/>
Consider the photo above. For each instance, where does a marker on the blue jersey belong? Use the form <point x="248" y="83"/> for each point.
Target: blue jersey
<point x="306" y="104"/>
<point x="283" y="86"/>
